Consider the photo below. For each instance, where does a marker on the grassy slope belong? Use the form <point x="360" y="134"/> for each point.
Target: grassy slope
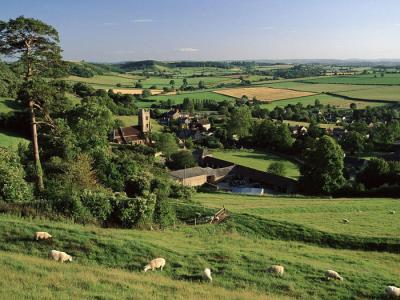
<point x="368" y="217"/>
<point x="387" y="93"/>
<point x="257" y="160"/>
<point x="238" y="264"/>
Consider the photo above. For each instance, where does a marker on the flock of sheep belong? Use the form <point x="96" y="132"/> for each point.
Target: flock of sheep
<point x="159" y="263"/>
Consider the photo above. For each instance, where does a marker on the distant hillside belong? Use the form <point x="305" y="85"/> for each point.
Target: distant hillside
<point x="87" y="70"/>
<point x="157" y="65"/>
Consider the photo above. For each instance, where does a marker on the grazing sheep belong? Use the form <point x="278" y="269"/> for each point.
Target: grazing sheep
<point x="330" y="274"/>
<point x="42" y="235"/>
<point x="155" y="264"/>
<point x="345" y="221"/>
<point x="59" y="256"/>
<point x="392" y="291"/>
<point x="276" y="269"/>
<point x="392" y="212"/>
<point x="207" y="274"/>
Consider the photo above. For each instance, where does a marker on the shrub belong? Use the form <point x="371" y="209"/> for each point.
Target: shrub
<point x="13" y="187"/>
<point x="181" y="192"/>
<point x="277" y="168"/>
<point x="98" y="203"/>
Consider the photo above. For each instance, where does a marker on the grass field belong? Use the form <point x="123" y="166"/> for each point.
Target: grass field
<point x="263" y="93"/>
<point x="388" y="79"/>
<point x="324" y="99"/>
<point x="257" y="160"/>
<point x="7" y="105"/>
<point x="11" y="140"/>
<point x="193" y="96"/>
<point x="368" y="217"/>
<point x="133" y="121"/>
<point x="108" y="262"/>
<point x="298" y="123"/>
<point x="318" y="87"/>
<point x="386" y="93"/>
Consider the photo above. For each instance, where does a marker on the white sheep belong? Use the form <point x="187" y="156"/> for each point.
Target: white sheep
<point x="42" y="235"/>
<point x="345" y="221"/>
<point x="330" y="274"/>
<point x="392" y="212"/>
<point x="207" y="274"/>
<point x="276" y="269"/>
<point x="155" y="264"/>
<point x="59" y="256"/>
<point x="392" y="291"/>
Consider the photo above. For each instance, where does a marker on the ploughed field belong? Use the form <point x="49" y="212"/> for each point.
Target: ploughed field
<point x="108" y="263"/>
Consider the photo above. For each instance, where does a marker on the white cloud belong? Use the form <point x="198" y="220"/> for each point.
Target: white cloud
<point x="188" y="49"/>
<point x="110" y="23"/>
<point x="123" y="52"/>
<point x="266" y="27"/>
<point x="397" y="24"/>
<point x="142" y="21"/>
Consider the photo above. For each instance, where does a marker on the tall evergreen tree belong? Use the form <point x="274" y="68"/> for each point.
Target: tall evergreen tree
<point x="36" y="45"/>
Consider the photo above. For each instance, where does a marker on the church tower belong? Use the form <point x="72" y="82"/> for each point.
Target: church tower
<point x="144" y="120"/>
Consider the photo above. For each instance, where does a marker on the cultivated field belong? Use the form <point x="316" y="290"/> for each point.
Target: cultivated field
<point x="299" y="123"/>
<point x="136" y="91"/>
<point x="263" y="93"/>
<point x="257" y="160"/>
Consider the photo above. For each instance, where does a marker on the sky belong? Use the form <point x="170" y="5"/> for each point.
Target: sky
<point x="122" y="30"/>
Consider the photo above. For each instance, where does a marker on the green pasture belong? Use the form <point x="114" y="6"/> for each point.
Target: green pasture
<point x="257" y="160"/>
<point x="178" y="98"/>
<point x="108" y="263"/>
<point x="324" y="99"/>
<point x="385" y="93"/>
<point x="367" y="217"/>
<point x="388" y="79"/>
<point x="11" y="140"/>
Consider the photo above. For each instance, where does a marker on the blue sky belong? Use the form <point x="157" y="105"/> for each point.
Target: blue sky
<point x="119" y="30"/>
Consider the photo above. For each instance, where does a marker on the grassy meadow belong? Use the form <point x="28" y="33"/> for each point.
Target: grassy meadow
<point x="325" y="99"/>
<point x="108" y="264"/>
<point x="387" y="79"/>
<point x="178" y="98"/>
<point x="257" y="160"/>
<point x="368" y="217"/>
<point x="385" y="93"/>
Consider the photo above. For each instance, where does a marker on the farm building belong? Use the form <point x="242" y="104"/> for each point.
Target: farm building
<point x="214" y="171"/>
<point x="134" y="134"/>
<point x="198" y="176"/>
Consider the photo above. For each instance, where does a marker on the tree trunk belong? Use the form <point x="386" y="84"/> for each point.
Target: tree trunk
<point x="38" y="165"/>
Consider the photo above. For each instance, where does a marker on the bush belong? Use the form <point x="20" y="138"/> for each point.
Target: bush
<point x="277" y="168"/>
<point x="182" y="192"/>
<point x="98" y="203"/>
<point x="13" y="187"/>
<point x="182" y="159"/>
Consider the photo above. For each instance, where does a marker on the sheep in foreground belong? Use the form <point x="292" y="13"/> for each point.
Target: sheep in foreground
<point x="345" y="221"/>
<point x="330" y="274"/>
<point x="207" y="274"/>
<point x="42" y="235"/>
<point x="59" y="256"/>
<point x="392" y="212"/>
<point x="155" y="264"/>
<point x="392" y="291"/>
<point x="276" y="269"/>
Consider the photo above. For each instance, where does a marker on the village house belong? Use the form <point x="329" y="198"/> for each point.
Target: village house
<point x="134" y="134"/>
